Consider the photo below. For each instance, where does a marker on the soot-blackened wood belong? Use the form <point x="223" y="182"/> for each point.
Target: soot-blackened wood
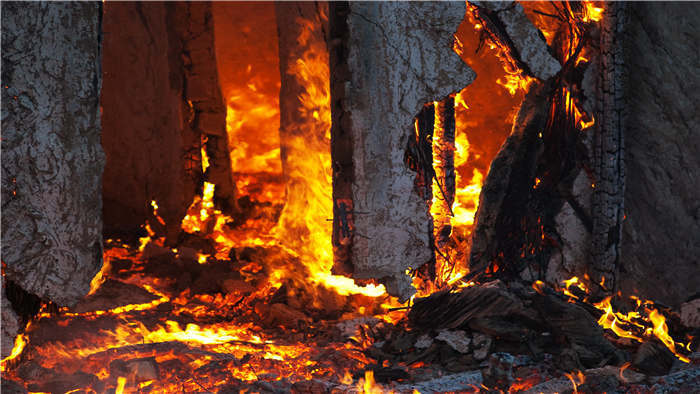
<point x="423" y="152"/>
<point x="51" y="155"/>
<point x="578" y="327"/>
<point x="608" y="149"/>
<point x="507" y="23"/>
<point x="393" y="58"/>
<point x="447" y="310"/>
<point x="161" y="100"/>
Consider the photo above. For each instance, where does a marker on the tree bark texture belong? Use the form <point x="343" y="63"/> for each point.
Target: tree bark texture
<point x="52" y="159"/>
<point x="160" y="98"/>
<point x="388" y="60"/>
<point x="661" y="234"/>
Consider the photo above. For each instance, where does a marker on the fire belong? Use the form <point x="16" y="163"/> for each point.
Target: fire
<point x="591" y="12"/>
<point x="644" y="323"/>
<point x="20" y="343"/>
<point x="576" y="379"/>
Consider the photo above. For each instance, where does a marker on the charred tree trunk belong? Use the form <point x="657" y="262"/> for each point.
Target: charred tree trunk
<point x="152" y="153"/>
<point x="608" y="149"/>
<point x="444" y="152"/>
<point x="387" y="61"/>
<point x="153" y="139"/>
<point x="203" y="92"/>
<point x="304" y="118"/>
<point x="52" y="159"/>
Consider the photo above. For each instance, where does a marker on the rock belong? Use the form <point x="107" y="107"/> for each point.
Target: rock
<point x="423" y="342"/>
<point x="458" y="340"/>
<point x="499" y="372"/>
<point x="690" y="313"/>
<point x="482" y="346"/>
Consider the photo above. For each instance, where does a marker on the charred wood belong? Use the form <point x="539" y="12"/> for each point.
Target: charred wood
<point x="508" y="25"/>
<point x="609" y="167"/>
<point x="578" y="328"/>
<point x="498" y="235"/>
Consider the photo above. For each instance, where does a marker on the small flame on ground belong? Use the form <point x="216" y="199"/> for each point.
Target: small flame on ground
<point x="20" y="343"/>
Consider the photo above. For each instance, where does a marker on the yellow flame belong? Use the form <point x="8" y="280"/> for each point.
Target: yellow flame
<point x="20" y="343"/>
<point x="121" y="383"/>
<point x="591" y="12"/>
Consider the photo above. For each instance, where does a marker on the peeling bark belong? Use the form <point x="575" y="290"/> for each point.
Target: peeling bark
<point x="395" y="58"/>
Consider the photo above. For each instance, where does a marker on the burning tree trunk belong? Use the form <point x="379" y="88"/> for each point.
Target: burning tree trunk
<point x="52" y="159"/>
<point x="609" y="168"/>
<point x="204" y="93"/>
<point x="153" y="140"/>
<point x="305" y="126"/>
<point x="387" y="61"/>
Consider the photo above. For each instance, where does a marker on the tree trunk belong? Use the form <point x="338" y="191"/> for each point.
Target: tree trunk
<point x="305" y="126"/>
<point x="608" y="152"/>
<point x="661" y="233"/>
<point x="152" y="152"/>
<point x="52" y="159"/>
<point x="203" y="91"/>
<point x="161" y="57"/>
<point x="388" y="60"/>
